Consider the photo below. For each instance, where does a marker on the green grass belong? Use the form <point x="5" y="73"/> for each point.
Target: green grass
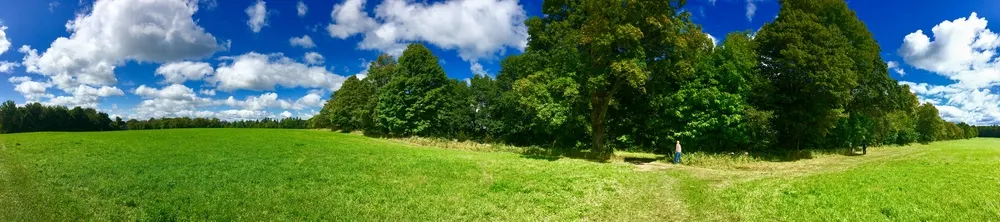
<point x="263" y="174"/>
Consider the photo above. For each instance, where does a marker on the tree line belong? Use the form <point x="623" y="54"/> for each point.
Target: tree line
<point x="611" y="74"/>
<point x="35" y="117"/>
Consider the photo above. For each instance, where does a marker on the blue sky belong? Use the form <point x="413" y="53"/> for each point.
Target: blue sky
<point x="237" y="59"/>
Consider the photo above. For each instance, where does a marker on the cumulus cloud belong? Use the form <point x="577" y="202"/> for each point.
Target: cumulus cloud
<point x="85" y="96"/>
<point x="270" y="100"/>
<point x="114" y="32"/>
<point x="257" y="14"/>
<point x="4" y="41"/>
<point x="31" y="90"/>
<point x="894" y="66"/>
<point x="475" y="28"/>
<point x="208" y="92"/>
<point x="286" y="114"/>
<point x="962" y="49"/>
<point x="170" y="101"/>
<point x="956" y="103"/>
<point x="305" y="41"/>
<point x="7" y="66"/>
<point x="476" y="68"/>
<point x="254" y="71"/>
<point x="179" y="72"/>
<point x="314" y="58"/>
<point x="301" y="8"/>
<point x="180" y="101"/>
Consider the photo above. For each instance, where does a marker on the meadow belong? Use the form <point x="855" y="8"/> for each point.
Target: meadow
<point x="274" y="174"/>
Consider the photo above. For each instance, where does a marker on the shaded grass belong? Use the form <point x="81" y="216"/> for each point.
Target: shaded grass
<point x="265" y="174"/>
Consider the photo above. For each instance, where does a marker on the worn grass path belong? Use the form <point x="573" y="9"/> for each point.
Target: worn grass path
<point x="263" y="174"/>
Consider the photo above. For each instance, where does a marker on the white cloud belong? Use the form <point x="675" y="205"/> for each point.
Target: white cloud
<point x="894" y="66"/>
<point x="286" y="114"/>
<point x="270" y="100"/>
<point x="476" y="68"/>
<point x="254" y="71"/>
<point x="7" y="66"/>
<point x="208" y="92"/>
<point x="751" y="9"/>
<point x="4" y="41"/>
<point x="311" y="100"/>
<point x="956" y="103"/>
<point x="963" y="50"/>
<point x="258" y="16"/>
<point x="179" y="72"/>
<point x="715" y="41"/>
<point x="170" y="101"/>
<point x="178" y="101"/>
<point x="349" y="19"/>
<point x="301" y="8"/>
<point x="19" y="79"/>
<point x="173" y="92"/>
<point x="475" y="28"/>
<point x="53" y="6"/>
<point x="85" y="96"/>
<point x="31" y="90"/>
<point x="314" y="58"/>
<point x="305" y="41"/>
<point x="114" y="32"/>
<point x="242" y="114"/>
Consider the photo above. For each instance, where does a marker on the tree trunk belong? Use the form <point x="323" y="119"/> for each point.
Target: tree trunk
<point x="599" y="110"/>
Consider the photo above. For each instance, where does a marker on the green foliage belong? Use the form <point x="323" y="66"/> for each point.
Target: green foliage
<point x="349" y="109"/>
<point x="808" y="61"/>
<point x="34" y="117"/>
<point x="412" y="101"/>
<point x="594" y="49"/>
<point x="929" y="124"/>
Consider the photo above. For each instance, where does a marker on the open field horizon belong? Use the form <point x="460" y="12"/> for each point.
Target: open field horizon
<point x="270" y="174"/>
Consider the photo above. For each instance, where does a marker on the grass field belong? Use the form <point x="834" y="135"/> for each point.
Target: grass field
<point x="263" y="174"/>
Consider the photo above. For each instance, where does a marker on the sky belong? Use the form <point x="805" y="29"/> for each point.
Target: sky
<point x="251" y="59"/>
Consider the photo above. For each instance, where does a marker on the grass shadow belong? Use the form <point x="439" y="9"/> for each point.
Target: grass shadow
<point x="639" y="160"/>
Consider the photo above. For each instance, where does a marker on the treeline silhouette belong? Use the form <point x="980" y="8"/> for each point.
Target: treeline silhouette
<point x="35" y="117"/>
<point x="989" y="131"/>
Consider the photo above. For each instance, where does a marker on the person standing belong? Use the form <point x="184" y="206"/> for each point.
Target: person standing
<point x="864" y="147"/>
<point x="677" y="153"/>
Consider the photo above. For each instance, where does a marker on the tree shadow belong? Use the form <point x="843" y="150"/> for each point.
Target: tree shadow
<point x="550" y="154"/>
<point x="639" y="160"/>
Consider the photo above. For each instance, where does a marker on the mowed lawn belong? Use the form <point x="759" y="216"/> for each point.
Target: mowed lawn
<point x="271" y="174"/>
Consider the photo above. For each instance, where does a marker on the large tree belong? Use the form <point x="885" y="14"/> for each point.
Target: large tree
<point x="411" y="102"/>
<point x="348" y="111"/>
<point x="929" y="124"/>
<point x="809" y="63"/>
<point x="597" y="48"/>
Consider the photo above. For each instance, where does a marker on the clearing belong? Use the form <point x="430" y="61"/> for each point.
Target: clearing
<point x="273" y="174"/>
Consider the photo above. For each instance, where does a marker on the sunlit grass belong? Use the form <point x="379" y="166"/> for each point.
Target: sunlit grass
<point x="262" y="174"/>
<point x="269" y="174"/>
